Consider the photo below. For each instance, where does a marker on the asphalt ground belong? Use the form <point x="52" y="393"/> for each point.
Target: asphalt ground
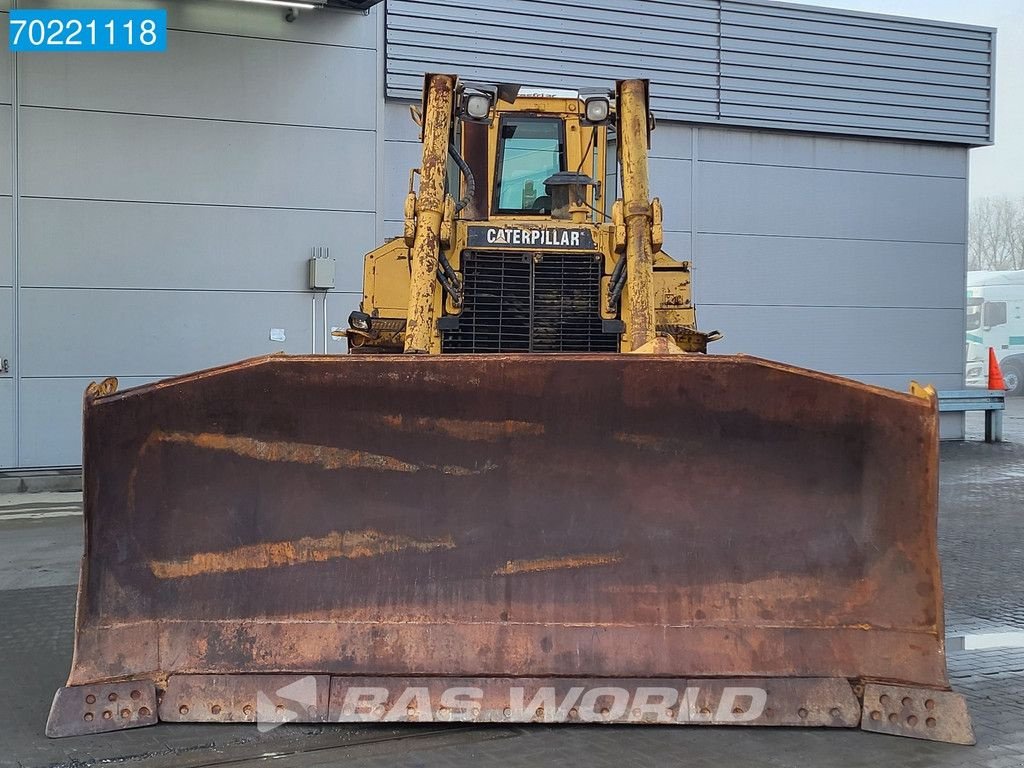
<point x="982" y="548"/>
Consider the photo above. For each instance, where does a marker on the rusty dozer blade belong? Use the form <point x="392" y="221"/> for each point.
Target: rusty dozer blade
<point x="535" y="528"/>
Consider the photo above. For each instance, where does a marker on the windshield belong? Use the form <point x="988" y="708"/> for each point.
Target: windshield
<point x="973" y="318"/>
<point x="973" y="311"/>
<point x="531" y="150"/>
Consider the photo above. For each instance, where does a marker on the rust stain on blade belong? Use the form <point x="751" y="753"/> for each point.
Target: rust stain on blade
<point x="276" y="554"/>
<point x="556" y="563"/>
<point x="653" y="442"/>
<point x="325" y="456"/>
<point x="465" y="429"/>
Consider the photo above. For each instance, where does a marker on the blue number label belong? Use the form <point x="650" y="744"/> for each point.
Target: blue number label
<point x="88" y="30"/>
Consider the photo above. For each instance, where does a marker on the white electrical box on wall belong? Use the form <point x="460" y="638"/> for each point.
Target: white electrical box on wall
<point x="321" y="270"/>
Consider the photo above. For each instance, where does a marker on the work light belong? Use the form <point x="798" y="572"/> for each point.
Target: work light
<point x="359" y="320"/>
<point x="596" y="109"/>
<point x="478" y="106"/>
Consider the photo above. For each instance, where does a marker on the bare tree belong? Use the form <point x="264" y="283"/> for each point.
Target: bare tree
<point x="996" y="233"/>
<point x="1012" y="219"/>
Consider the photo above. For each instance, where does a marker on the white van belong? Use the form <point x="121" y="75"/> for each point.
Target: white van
<point x="995" y="318"/>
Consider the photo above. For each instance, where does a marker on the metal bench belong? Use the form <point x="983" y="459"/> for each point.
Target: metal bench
<point x="991" y="401"/>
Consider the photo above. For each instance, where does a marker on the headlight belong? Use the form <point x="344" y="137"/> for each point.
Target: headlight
<point x="596" y="109"/>
<point x="974" y="371"/>
<point x="360" y="321"/>
<point x="478" y="106"/>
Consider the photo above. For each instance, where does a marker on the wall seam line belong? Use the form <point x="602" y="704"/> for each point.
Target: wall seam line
<point x="694" y="188"/>
<point x="241" y="36"/>
<point x="380" y="119"/>
<point x="196" y="118"/>
<point x="246" y="206"/>
<point x="16" y="258"/>
<point x="960" y="420"/>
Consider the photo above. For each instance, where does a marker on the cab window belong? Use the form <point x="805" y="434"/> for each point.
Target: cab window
<point x="530" y="150"/>
<point x="993" y="313"/>
<point x="974" y="313"/>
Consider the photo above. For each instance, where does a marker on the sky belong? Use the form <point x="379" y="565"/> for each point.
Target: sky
<point x="997" y="170"/>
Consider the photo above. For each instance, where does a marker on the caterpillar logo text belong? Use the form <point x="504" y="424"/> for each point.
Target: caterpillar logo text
<point x="564" y="238"/>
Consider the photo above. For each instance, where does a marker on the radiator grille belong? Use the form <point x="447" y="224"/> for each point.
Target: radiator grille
<point x="514" y="303"/>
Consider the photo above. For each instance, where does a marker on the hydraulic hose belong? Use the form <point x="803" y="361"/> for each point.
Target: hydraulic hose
<point x="468" y="173"/>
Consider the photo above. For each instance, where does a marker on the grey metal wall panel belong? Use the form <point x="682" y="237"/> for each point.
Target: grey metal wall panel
<point x="888" y="56"/>
<point x="242" y="79"/>
<point x="167" y="209"/>
<point x="792" y="116"/>
<point x="6" y="328"/>
<point x="322" y="28"/>
<point x="51" y="419"/>
<point x="671" y="170"/>
<point x="8" y="456"/>
<point x="6" y="64"/>
<point x="89" y="243"/>
<point x="673" y="141"/>
<point x="670" y="181"/>
<point x="733" y="62"/>
<point x="556" y="42"/>
<point x="844" y="255"/>
<point x="851" y="341"/>
<point x="800" y="271"/>
<point x="6" y="240"/>
<point x="776" y="200"/>
<point x="160" y="159"/>
<point x="827" y="152"/>
<point x="398" y="124"/>
<point x="96" y="332"/>
<point x="6" y="138"/>
<point x="8" y="385"/>
<point x="52" y="407"/>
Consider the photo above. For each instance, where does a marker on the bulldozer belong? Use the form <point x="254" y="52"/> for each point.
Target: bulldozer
<point x="528" y="495"/>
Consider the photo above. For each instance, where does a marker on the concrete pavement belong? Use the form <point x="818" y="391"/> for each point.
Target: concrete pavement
<point x="40" y="539"/>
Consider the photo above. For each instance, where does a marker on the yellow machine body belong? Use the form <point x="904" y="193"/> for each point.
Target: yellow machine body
<point x="588" y="148"/>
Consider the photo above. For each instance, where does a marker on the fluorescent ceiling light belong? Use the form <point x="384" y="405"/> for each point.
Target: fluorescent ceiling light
<point x="282" y="3"/>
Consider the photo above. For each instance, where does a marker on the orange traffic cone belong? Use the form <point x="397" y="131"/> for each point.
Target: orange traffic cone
<point x="995" y="376"/>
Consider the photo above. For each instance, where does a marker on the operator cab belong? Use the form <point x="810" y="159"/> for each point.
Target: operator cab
<point x="524" y="142"/>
